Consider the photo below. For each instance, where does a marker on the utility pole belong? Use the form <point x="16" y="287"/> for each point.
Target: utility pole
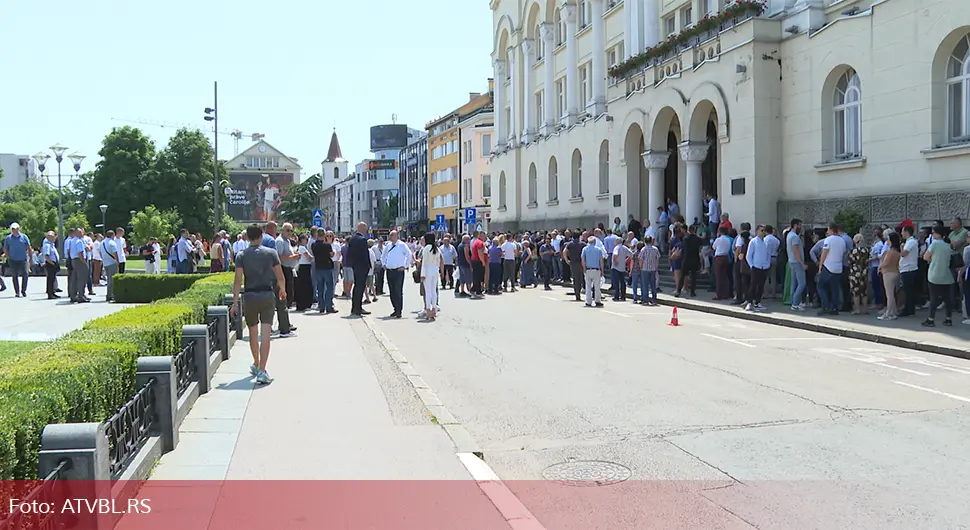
<point x="213" y="116"/>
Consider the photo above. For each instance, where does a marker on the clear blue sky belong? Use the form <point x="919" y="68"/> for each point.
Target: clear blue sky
<point x="291" y="69"/>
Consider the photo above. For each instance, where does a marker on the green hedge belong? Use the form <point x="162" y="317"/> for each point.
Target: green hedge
<point x="87" y="374"/>
<point x="145" y="288"/>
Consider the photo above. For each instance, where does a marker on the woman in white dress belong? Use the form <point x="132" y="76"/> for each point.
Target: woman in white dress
<point x="430" y="272"/>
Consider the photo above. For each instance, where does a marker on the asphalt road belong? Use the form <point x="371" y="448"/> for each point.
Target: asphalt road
<point x="717" y="423"/>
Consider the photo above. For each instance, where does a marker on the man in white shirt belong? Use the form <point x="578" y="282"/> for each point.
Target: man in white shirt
<point x="722" y="264"/>
<point x="97" y="266"/>
<point x="508" y="264"/>
<point x="713" y="212"/>
<point x="796" y="264"/>
<point x="830" y="272"/>
<point x="88" y="254"/>
<point x="397" y="258"/>
<point x="621" y="253"/>
<point x="556" y="242"/>
<point x="773" y="244"/>
<point x="909" y="270"/>
<point x="122" y="249"/>
<point x="759" y="259"/>
<point x="663" y="230"/>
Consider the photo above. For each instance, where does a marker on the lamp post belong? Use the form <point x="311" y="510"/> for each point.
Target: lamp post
<point x="104" y="223"/>
<point x="41" y="158"/>
<point x="212" y="114"/>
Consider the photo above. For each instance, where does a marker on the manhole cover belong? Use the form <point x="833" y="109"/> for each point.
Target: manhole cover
<point x="587" y="473"/>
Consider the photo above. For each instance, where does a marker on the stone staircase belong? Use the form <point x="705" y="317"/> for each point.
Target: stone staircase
<point x="667" y="278"/>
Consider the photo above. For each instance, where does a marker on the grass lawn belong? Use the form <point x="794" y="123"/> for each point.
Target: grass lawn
<point x="12" y="348"/>
<point x="139" y="265"/>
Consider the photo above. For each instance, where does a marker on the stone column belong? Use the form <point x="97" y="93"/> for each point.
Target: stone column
<point x="599" y="60"/>
<point x="631" y="39"/>
<point x="651" y="23"/>
<point x="513" y="64"/>
<point x="529" y="54"/>
<point x="572" y="66"/>
<point x="694" y="153"/>
<point x="656" y="163"/>
<point x="548" y="86"/>
<point x="500" y="130"/>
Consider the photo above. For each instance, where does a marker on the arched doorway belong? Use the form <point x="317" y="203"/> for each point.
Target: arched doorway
<point x="710" y="168"/>
<point x="636" y="174"/>
<point x="671" y="173"/>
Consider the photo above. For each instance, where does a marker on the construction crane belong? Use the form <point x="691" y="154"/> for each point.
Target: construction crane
<point x="236" y="134"/>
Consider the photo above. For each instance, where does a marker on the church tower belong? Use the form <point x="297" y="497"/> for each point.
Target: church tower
<point x="334" y="167"/>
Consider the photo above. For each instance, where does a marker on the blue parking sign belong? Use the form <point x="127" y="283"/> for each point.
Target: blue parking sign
<point x="471" y="217"/>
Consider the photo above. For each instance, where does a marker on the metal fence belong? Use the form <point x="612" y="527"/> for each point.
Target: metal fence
<point x="213" y="336"/>
<point x="185" y="368"/>
<point x="130" y="427"/>
<point x="49" y="490"/>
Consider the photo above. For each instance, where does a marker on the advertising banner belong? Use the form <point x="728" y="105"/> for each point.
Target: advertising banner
<point x="256" y="197"/>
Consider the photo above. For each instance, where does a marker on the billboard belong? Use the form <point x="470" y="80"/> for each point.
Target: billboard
<point x="382" y="164"/>
<point x="256" y="197"/>
<point x="388" y="137"/>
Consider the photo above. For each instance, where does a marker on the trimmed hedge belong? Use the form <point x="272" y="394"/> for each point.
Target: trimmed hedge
<point x="145" y="288"/>
<point x="87" y="374"/>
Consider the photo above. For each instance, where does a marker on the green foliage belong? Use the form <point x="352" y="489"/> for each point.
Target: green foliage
<point x="78" y="220"/>
<point x="178" y="178"/>
<point x="11" y="349"/>
<point x="850" y="219"/>
<point x="86" y="375"/>
<point x="31" y="204"/>
<point x="77" y="196"/>
<point x="145" y="288"/>
<point x="299" y="200"/>
<point x="126" y="155"/>
<point x="150" y="223"/>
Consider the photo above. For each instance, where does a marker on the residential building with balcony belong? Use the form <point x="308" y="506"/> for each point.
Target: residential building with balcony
<point x="475" y="131"/>
<point x="796" y="108"/>
<point x="413" y="202"/>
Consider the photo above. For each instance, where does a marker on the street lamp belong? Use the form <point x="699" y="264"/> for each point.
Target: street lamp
<point x="41" y="158"/>
<point x="104" y="224"/>
<point x="212" y="114"/>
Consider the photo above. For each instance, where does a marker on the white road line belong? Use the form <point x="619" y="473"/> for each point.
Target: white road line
<point x="551" y="298"/>
<point x="511" y="508"/>
<point x="732" y="341"/>
<point x="617" y="314"/>
<point x="477" y="467"/>
<point x="799" y="338"/>
<point x="907" y="370"/>
<point x="937" y="392"/>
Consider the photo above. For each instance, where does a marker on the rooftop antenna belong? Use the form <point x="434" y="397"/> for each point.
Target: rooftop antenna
<point x="394" y="119"/>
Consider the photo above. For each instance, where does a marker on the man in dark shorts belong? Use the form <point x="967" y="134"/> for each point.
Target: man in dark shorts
<point x="261" y="268"/>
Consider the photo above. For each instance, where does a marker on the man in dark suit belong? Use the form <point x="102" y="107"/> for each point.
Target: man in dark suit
<point x="358" y="258"/>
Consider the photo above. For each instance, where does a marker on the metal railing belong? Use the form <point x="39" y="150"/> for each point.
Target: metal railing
<point x="185" y="368"/>
<point x="49" y="490"/>
<point x="130" y="427"/>
<point x="213" y="327"/>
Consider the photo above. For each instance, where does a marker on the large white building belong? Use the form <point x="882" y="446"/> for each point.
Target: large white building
<point x="610" y="107"/>
<point x="18" y="169"/>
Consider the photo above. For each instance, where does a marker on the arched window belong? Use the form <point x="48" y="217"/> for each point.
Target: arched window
<point x="553" y="180"/>
<point x="540" y="44"/>
<point x="577" y="175"/>
<point x="604" y="167"/>
<point x="336" y="172"/>
<point x="501" y="190"/>
<point x="848" y="115"/>
<point x="958" y="92"/>
<point x="560" y="28"/>
<point x="533" y="185"/>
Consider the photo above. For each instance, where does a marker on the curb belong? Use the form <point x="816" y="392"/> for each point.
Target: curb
<point x="868" y="336"/>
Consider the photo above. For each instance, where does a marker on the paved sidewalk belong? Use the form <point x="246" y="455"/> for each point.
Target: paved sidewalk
<point x="35" y="318"/>
<point x="903" y="332"/>
<point x="339" y="409"/>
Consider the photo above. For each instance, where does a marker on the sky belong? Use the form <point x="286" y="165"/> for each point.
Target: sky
<point x="290" y="69"/>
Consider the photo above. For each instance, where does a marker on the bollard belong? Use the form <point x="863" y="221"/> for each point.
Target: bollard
<point x="221" y="315"/>
<point x="85" y="447"/>
<point x="162" y="370"/>
<point x="200" y="334"/>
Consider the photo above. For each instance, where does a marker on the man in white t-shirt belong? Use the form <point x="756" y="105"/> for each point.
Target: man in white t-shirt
<point x="830" y="272"/>
<point x="122" y="249"/>
<point x="722" y="264"/>
<point x="556" y="242"/>
<point x="909" y="270"/>
<point x="509" y="254"/>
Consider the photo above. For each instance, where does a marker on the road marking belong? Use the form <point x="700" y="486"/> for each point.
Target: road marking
<point x="513" y="511"/>
<point x="477" y="467"/>
<point x="800" y="338"/>
<point x="617" y="314"/>
<point x="551" y="298"/>
<point x="732" y="341"/>
<point x="907" y="370"/>
<point x="937" y="392"/>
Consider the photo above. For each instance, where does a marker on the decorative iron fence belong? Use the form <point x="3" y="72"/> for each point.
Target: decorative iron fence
<point x="185" y="368"/>
<point x="46" y="493"/>
<point x="130" y="427"/>
<point x="213" y="336"/>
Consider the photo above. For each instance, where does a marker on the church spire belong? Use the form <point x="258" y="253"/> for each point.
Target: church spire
<point x="334" y="154"/>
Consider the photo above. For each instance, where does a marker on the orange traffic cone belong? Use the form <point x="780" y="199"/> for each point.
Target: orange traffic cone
<point x="674" y="321"/>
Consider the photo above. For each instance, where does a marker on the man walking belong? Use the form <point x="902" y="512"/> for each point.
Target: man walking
<point x="358" y="260"/>
<point x="52" y="262"/>
<point x="260" y="268"/>
<point x="592" y="259"/>
<point x="397" y="258"/>
<point x="270" y="239"/>
<point x="16" y="247"/>
<point x="759" y="259"/>
<point x="449" y="257"/>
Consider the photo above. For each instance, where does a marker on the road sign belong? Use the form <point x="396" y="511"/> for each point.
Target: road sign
<point x="439" y="219"/>
<point x="471" y="216"/>
<point x="318" y="222"/>
<point x="318" y="214"/>
<point x="478" y="227"/>
<point x="441" y="228"/>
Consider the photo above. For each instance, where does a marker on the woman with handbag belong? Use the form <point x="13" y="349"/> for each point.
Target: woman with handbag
<point x="431" y="265"/>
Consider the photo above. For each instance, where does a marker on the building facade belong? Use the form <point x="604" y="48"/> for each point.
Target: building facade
<point x="475" y="131"/>
<point x="609" y="108"/>
<point x="345" y="200"/>
<point x="258" y="178"/>
<point x="412" y="205"/>
<point x="378" y="180"/>
<point x="444" y="159"/>
<point x="18" y="169"/>
<point x="333" y="170"/>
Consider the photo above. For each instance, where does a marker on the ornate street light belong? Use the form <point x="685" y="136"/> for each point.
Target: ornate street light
<point x="41" y="158"/>
<point x="104" y="224"/>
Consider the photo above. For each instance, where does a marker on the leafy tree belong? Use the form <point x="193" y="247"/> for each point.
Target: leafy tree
<point x="150" y="223"/>
<point x="78" y="220"/>
<point x="299" y="200"/>
<point x="179" y="179"/>
<point x="849" y="219"/>
<point x="119" y="179"/>
<point x="33" y="206"/>
<point x="77" y="194"/>
<point x="389" y="212"/>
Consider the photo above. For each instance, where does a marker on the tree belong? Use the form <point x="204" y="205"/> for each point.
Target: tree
<point x="119" y="179"/>
<point x="299" y="200"/>
<point x="179" y="179"/>
<point x="78" y="220"/>
<point x="32" y="205"/>
<point x="150" y="223"/>
<point x="850" y="219"/>
<point x="389" y="212"/>
<point x="77" y="194"/>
